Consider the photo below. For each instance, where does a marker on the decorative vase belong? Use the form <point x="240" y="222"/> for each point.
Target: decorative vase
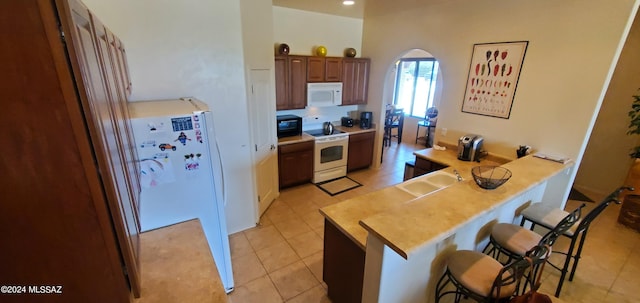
<point x="350" y="52"/>
<point x="321" y="51"/>
<point x="283" y="49"/>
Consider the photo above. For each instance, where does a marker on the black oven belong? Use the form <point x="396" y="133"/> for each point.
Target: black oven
<point x="289" y="125"/>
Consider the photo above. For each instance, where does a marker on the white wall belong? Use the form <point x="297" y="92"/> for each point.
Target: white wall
<point x="565" y="70"/>
<point x="303" y="31"/>
<point x="606" y="161"/>
<point x="193" y="48"/>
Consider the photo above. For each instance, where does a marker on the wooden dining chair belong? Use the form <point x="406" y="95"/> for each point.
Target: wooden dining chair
<point x="394" y="119"/>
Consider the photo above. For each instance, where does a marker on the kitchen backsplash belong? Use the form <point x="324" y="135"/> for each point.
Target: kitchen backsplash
<point x="312" y="118"/>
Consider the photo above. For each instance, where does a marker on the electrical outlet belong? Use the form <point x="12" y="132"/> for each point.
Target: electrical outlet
<point x="310" y="119"/>
<point x="443" y="131"/>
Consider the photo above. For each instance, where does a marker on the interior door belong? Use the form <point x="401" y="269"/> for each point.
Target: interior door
<point x="263" y="120"/>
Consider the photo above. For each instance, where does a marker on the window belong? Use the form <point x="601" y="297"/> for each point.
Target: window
<point x="415" y="85"/>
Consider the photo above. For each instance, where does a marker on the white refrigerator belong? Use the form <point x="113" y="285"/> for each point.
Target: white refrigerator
<point x="181" y="172"/>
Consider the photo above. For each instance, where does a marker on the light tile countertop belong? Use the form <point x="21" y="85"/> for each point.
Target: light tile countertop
<point x="405" y="223"/>
<point x="356" y="129"/>
<point x="306" y="137"/>
<point x="177" y="266"/>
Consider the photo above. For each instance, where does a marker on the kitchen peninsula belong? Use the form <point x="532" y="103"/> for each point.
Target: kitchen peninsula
<point x="389" y="246"/>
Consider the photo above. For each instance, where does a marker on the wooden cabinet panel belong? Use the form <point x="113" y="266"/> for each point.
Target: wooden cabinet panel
<point x="324" y="69"/>
<point x="355" y="80"/>
<point x="282" y="85"/>
<point x="121" y="76"/>
<point x="315" y="73"/>
<point x="342" y="267"/>
<point x="333" y="69"/>
<point x="291" y="84"/>
<point x="67" y="193"/>
<point x="119" y="154"/>
<point x="294" y="72"/>
<point x="360" y="150"/>
<point x="297" y="84"/>
<point x="123" y="65"/>
<point x="295" y="163"/>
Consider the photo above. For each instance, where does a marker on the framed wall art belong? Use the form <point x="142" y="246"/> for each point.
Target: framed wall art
<point x="493" y="78"/>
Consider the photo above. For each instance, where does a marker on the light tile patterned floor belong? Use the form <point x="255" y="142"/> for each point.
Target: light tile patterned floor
<point x="281" y="260"/>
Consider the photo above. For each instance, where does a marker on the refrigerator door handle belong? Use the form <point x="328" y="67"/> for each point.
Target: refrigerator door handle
<point x="224" y="187"/>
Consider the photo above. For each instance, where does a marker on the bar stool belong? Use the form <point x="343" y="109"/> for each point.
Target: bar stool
<point x="482" y="278"/>
<point x="514" y="241"/>
<point x="546" y="215"/>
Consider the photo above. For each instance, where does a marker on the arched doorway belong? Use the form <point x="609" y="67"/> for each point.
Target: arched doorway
<point x="414" y="83"/>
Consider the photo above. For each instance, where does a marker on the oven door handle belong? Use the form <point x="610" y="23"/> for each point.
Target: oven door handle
<point x="334" y="139"/>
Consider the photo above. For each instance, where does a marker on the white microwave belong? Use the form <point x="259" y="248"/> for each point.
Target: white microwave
<point x="324" y="94"/>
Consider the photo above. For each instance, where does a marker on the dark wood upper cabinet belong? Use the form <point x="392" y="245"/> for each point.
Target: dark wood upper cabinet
<point x="70" y="181"/>
<point x="333" y="69"/>
<point x="294" y="72"/>
<point x="355" y="80"/>
<point x="291" y="84"/>
<point x="324" y="69"/>
<point x="315" y="72"/>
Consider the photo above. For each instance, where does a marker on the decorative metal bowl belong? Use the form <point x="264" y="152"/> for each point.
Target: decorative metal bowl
<point x="490" y="177"/>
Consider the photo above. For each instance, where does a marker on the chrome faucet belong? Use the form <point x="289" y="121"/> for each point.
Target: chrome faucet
<point x="455" y="171"/>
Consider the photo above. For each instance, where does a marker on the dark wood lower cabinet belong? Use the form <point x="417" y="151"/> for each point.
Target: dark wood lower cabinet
<point x="360" y="150"/>
<point x="343" y="266"/>
<point x="424" y="166"/>
<point x="295" y="163"/>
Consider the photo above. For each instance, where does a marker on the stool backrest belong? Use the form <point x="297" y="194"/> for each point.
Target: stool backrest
<point x="562" y="226"/>
<point x="395" y="116"/>
<point x="513" y="272"/>
<point x="612" y="197"/>
<point x="509" y="274"/>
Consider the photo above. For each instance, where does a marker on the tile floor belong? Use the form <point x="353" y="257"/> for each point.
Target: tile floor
<point x="281" y="260"/>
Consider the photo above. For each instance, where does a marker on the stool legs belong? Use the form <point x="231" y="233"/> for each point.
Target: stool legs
<point x="568" y="256"/>
<point x="578" y="254"/>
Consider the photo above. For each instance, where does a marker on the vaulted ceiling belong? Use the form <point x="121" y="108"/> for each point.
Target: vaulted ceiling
<point x="331" y="7"/>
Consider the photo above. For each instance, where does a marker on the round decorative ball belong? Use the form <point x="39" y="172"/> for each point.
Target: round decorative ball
<point x="350" y="52"/>
<point x="283" y="49"/>
<point x="321" y="51"/>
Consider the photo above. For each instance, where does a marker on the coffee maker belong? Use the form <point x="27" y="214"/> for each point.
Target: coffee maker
<point x="366" y="118"/>
<point x="470" y="147"/>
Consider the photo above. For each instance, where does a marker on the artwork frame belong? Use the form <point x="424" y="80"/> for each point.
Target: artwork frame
<point x="493" y="77"/>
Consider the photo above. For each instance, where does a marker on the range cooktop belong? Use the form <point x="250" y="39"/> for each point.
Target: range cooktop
<point x="320" y="132"/>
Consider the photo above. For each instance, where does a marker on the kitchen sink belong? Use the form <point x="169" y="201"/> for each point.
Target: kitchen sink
<point x="425" y="184"/>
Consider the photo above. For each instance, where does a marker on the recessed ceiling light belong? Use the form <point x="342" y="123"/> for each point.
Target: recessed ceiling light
<point x="348" y="2"/>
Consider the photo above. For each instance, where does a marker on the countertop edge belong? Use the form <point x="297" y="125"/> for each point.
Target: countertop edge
<point x="295" y="139"/>
<point x="407" y="252"/>
<point x="304" y="137"/>
<point x="339" y="227"/>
